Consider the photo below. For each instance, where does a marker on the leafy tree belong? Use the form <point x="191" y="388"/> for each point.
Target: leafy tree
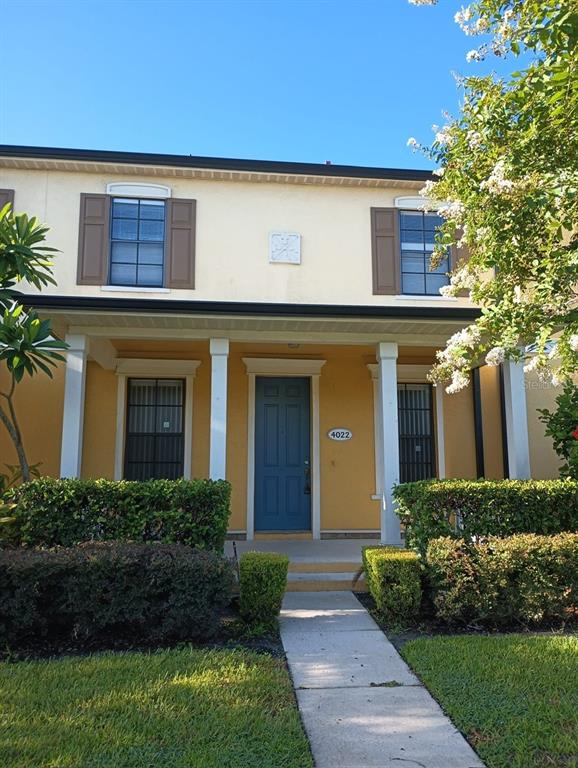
<point x="562" y="427"/>
<point x="507" y="188"/>
<point x="27" y="345"/>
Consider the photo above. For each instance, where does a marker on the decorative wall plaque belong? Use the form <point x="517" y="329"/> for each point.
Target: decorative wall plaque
<point x="285" y="248"/>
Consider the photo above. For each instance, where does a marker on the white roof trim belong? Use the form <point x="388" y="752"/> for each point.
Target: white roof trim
<point x="266" y="366"/>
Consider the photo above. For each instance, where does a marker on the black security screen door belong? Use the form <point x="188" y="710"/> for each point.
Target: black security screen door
<point x="154" y="429"/>
<point x="416" y="443"/>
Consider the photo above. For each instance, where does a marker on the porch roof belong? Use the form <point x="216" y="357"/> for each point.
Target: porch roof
<point x="162" y="318"/>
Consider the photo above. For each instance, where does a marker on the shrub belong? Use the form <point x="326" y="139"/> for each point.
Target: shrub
<point x="475" y="508"/>
<point x="51" y="512"/>
<point x="394" y="581"/>
<point x="262" y="581"/>
<point x="523" y="578"/>
<point x="106" y="591"/>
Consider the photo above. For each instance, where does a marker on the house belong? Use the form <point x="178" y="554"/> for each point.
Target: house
<point x="268" y="322"/>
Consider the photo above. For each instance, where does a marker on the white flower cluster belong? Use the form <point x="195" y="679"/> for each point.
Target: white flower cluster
<point x="423" y="2"/>
<point x="460" y="380"/>
<point x="461" y="279"/>
<point x="453" y="210"/>
<point x="497" y="183"/>
<point x="428" y="189"/>
<point x="573" y="341"/>
<point x="439" y="171"/>
<point x="474" y="139"/>
<point x="411" y="142"/>
<point x="496" y="356"/>
<point x="477" y="54"/>
<point x="443" y="137"/>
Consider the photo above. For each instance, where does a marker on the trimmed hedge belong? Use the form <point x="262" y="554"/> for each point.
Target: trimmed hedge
<point x="262" y="582"/>
<point x="476" y="508"/>
<point x="106" y="591"/>
<point x="393" y="578"/>
<point x="499" y="582"/>
<point x="52" y="512"/>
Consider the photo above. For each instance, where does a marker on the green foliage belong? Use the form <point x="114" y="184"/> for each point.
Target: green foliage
<point x="50" y="512"/>
<point x="181" y="708"/>
<point x="262" y="581"/>
<point x="151" y="592"/>
<point x="473" y="508"/>
<point x="27" y="344"/>
<point x="499" y="582"/>
<point x="508" y="184"/>
<point x="514" y="696"/>
<point x="562" y="427"/>
<point x="393" y="578"/>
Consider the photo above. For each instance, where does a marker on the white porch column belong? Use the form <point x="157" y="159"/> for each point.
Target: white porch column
<point x="389" y="437"/>
<point x="516" y="420"/>
<point x="73" y="417"/>
<point x="218" y="442"/>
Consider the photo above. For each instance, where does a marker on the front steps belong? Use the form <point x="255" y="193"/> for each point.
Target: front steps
<point x="325" y="577"/>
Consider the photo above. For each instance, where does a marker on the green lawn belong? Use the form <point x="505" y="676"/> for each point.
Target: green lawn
<point x="169" y="709"/>
<point x="514" y="696"/>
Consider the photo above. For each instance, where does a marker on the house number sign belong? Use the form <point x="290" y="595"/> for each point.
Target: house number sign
<point x="340" y="434"/>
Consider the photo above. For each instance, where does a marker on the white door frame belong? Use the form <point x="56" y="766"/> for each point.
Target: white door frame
<point x="268" y="366"/>
<point x="144" y="368"/>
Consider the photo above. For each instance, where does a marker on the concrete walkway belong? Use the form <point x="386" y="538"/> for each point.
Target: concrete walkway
<point x="361" y="705"/>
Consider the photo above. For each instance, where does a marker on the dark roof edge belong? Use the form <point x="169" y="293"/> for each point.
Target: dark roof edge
<point x="214" y="163"/>
<point x="179" y="306"/>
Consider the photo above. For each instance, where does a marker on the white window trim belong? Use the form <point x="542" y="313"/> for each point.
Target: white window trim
<point x="413" y="203"/>
<point x="154" y="369"/>
<point x="132" y="189"/>
<point x="133" y="289"/>
<point x="407" y="374"/>
<point x="261" y="366"/>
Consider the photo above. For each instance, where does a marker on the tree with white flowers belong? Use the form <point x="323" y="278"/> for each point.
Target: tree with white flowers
<point x="507" y="187"/>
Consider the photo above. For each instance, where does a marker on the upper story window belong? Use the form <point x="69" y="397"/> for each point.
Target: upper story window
<point x="137" y="242"/>
<point x="417" y="239"/>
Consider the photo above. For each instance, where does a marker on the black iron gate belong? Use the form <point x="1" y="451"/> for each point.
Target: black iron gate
<point x="416" y="441"/>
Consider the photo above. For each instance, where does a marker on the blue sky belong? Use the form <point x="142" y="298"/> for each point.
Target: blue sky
<point x="306" y="80"/>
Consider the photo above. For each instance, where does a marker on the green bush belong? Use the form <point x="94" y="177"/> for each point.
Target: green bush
<point x="524" y="579"/>
<point x="468" y="509"/>
<point x="51" y="512"/>
<point x="393" y="578"/>
<point x="262" y="581"/>
<point x="109" y="591"/>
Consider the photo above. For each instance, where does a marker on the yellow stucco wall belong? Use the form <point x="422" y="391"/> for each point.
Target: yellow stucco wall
<point x="491" y="422"/>
<point x="39" y="404"/>
<point x="459" y="433"/>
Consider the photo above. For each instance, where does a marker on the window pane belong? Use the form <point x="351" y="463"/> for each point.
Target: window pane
<point x="411" y="220"/>
<point x="150" y="254"/>
<point x="125" y="208"/>
<point x="434" y="283"/>
<point x="141" y="391"/>
<point x="152" y="209"/>
<point x="150" y="276"/>
<point x="123" y="252"/>
<point x="412" y="242"/>
<point x="441" y="270"/>
<point x="123" y="274"/>
<point x="152" y="230"/>
<point x="432" y="221"/>
<point x="412" y="261"/>
<point x="124" y="229"/>
<point x="412" y="283"/>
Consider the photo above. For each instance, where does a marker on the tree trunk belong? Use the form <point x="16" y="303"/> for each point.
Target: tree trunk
<point x="11" y="424"/>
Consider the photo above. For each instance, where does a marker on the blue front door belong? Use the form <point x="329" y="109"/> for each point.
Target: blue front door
<point x="282" y="457"/>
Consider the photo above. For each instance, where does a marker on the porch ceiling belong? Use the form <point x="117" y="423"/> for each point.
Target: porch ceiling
<point x="247" y="328"/>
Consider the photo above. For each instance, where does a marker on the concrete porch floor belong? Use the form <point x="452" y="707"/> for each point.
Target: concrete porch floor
<point x="314" y="565"/>
<point x="306" y="551"/>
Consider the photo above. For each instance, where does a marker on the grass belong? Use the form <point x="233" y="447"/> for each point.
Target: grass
<point x="168" y="709"/>
<point x="514" y="696"/>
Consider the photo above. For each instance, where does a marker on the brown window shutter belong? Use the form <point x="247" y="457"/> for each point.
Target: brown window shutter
<point x="6" y="196"/>
<point x="385" y="250"/>
<point x="180" y="243"/>
<point x="93" y="239"/>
